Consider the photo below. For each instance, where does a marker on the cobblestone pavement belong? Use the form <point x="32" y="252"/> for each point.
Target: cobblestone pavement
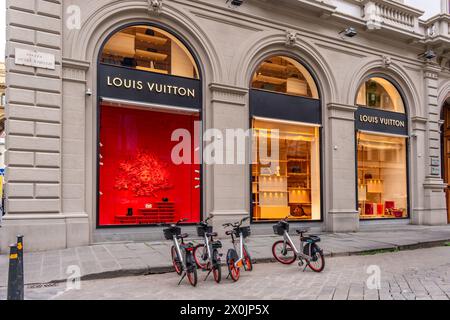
<point x="405" y="275"/>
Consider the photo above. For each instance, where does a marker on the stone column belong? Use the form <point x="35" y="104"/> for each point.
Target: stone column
<point x="340" y="166"/>
<point x="228" y="185"/>
<point x="33" y="159"/>
<point x="73" y="152"/>
<point x="434" y="206"/>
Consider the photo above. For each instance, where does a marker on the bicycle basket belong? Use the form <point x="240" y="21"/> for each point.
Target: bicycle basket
<point x="280" y="227"/>
<point x="169" y="233"/>
<point x="201" y="230"/>
<point x="246" y="232"/>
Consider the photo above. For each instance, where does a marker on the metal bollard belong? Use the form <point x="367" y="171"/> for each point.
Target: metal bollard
<point x="20" y="268"/>
<point x="13" y="283"/>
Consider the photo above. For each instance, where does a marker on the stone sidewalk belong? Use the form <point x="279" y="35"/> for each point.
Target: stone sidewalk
<point x="121" y="259"/>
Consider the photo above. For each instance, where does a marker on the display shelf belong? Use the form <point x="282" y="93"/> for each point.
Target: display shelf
<point x="269" y="79"/>
<point x="151" y="55"/>
<point x="159" y="41"/>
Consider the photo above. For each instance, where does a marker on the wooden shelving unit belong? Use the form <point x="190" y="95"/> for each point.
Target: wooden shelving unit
<point x="293" y="168"/>
<point x="142" y="48"/>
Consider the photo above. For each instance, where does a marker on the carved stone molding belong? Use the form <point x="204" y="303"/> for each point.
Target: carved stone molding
<point x="291" y="38"/>
<point x="341" y="111"/>
<point x="74" y="70"/>
<point x="387" y="62"/>
<point x="419" y="124"/>
<point x="155" y="6"/>
<point x="228" y="94"/>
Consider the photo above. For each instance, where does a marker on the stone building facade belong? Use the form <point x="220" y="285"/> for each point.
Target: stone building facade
<point x="52" y="112"/>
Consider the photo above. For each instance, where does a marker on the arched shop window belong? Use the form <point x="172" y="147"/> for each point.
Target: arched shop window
<point x="149" y="101"/>
<point x="285" y="115"/>
<point x="382" y="148"/>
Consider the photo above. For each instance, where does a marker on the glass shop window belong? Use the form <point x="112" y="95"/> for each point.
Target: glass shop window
<point x="382" y="176"/>
<point x="150" y="49"/>
<point x="139" y="183"/>
<point x="285" y="75"/>
<point x="287" y="183"/>
<point x="379" y="93"/>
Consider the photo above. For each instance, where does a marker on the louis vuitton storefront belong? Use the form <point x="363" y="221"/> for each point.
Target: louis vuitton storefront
<point x="156" y="113"/>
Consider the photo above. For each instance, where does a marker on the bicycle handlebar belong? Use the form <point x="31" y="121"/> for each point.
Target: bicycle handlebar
<point x="236" y="224"/>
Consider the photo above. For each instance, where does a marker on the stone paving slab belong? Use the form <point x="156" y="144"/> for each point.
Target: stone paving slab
<point x="402" y="275"/>
<point x="136" y="258"/>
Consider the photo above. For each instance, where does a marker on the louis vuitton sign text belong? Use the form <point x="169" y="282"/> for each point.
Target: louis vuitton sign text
<point x="154" y="87"/>
<point x="381" y="120"/>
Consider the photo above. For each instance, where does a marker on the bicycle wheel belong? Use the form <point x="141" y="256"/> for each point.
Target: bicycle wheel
<point x="283" y="254"/>
<point x="317" y="264"/>
<point x="234" y="271"/>
<point x="176" y="261"/>
<point x="201" y="256"/>
<point x="191" y="271"/>
<point x="217" y="267"/>
<point x="248" y="264"/>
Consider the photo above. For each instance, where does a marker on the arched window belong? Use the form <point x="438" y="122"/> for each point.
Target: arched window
<point x="382" y="134"/>
<point x="285" y="114"/>
<point x="285" y="75"/>
<point x="380" y="93"/>
<point x="150" y="49"/>
<point x="150" y="101"/>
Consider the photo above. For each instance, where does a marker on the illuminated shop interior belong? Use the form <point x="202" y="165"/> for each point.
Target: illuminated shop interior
<point x="139" y="181"/>
<point x="285" y="75"/>
<point x="150" y="49"/>
<point x="286" y="154"/>
<point x="286" y="182"/>
<point x="382" y="159"/>
<point x="379" y="93"/>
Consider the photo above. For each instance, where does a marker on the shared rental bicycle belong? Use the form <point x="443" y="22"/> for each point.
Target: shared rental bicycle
<point x="206" y="254"/>
<point x="234" y="260"/>
<point x="182" y="253"/>
<point x="286" y="252"/>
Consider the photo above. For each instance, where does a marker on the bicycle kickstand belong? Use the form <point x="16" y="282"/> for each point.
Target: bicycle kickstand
<point x="206" y="278"/>
<point x="182" y="278"/>
<point x="306" y="265"/>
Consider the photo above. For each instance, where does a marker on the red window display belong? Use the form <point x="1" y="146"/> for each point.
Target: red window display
<point x="139" y="183"/>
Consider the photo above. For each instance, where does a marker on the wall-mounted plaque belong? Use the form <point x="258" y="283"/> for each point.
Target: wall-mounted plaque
<point x="34" y="59"/>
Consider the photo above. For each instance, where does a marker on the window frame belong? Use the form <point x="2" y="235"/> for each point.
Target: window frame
<point x="320" y="137"/>
<point x="98" y="105"/>
<point x="407" y="145"/>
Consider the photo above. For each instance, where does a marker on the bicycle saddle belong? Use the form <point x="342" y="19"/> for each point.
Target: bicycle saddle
<point x="301" y="231"/>
<point x="212" y="234"/>
<point x="183" y="236"/>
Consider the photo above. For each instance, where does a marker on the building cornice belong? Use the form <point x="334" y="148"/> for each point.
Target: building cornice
<point x="227" y="94"/>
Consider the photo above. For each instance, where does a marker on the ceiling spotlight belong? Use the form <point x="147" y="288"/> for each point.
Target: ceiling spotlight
<point x="429" y="54"/>
<point x="235" y="3"/>
<point x="349" y="32"/>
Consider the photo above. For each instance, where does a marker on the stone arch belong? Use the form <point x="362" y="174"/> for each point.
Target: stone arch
<point x="87" y="42"/>
<point x="273" y="43"/>
<point x="443" y="94"/>
<point x="396" y="73"/>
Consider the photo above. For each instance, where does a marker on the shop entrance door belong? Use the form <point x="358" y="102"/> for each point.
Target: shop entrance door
<point x="446" y="155"/>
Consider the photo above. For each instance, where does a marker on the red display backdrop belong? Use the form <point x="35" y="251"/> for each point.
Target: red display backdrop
<point x="138" y="182"/>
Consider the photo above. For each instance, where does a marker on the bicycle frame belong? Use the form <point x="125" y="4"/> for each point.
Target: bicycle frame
<point x="208" y="248"/>
<point x="180" y="254"/>
<point x="241" y="248"/>
<point x="299" y="253"/>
